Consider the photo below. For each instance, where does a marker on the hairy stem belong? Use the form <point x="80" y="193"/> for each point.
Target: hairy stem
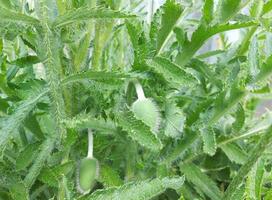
<point x="90" y="143"/>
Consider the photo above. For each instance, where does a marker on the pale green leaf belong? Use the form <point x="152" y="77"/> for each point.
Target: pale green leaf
<point x="109" y="176"/>
<point x="9" y="16"/>
<point x="209" y="140"/>
<point x="86" y="13"/>
<point x="264" y="142"/>
<point x="52" y="175"/>
<point x="139" y="132"/>
<point x="46" y="148"/>
<point x="137" y="190"/>
<point x="234" y="153"/>
<point x="226" y="9"/>
<point x="194" y="175"/>
<point x="174" y="121"/>
<point x="27" y="156"/>
<point x="203" y="33"/>
<point x="171" y="13"/>
<point x="18" y="191"/>
<point x="82" y="121"/>
<point x="173" y="73"/>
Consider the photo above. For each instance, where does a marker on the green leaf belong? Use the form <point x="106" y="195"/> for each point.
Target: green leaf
<point x="139" y="132"/>
<point x="203" y="33"/>
<point x="183" y="145"/>
<point x="256" y="8"/>
<point x="265" y="71"/>
<point x="27" y="156"/>
<point x="224" y="104"/>
<point x="45" y="150"/>
<point x="234" y="153"/>
<point x="180" y="35"/>
<point x="25" y="61"/>
<point x="52" y="175"/>
<point x="226" y="10"/>
<point x="12" y="122"/>
<point x="109" y="176"/>
<point x="264" y="142"/>
<point x="82" y="121"/>
<point x="32" y="124"/>
<point x="137" y="190"/>
<point x="173" y="73"/>
<point x="171" y="13"/>
<point x="255" y="181"/>
<point x="174" y="121"/>
<point x="91" y="75"/>
<point x="253" y="57"/>
<point x="18" y="191"/>
<point x="267" y="7"/>
<point x="9" y="16"/>
<point x="208" y="10"/>
<point x="239" y="118"/>
<point x="86" y="13"/>
<point x="194" y="175"/>
<point x="209" y="140"/>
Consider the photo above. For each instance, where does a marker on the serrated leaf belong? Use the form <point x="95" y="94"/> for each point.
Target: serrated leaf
<point x="109" y="176"/>
<point x="82" y="121"/>
<point x="264" y="142"/>
<point x="234" y="153"/>
<point x="27" y="156"/>
<point x="92" y="75"/>
<point x="265" y="71"/>
<point x="7" y="16"/>
<point x="52" y="175"/>
<point x="223" y="103"/>
<point x="139" y="132"/>
<point x="137" y="190"/>
<point x="171" y="72"/>
<point x="83" y="14"/>
<point x="226" y="10"/>
<point x="171" y="13"/>
<point x="255" y="180"/>
<point x="194" y="175"/>
<point x="46" y="148"/>
<point x="18" y="191"/>
<point x="209" y="140"/>
<point x="181" y="147"/>
<point x="253" y="57"/>
<point x="12" y="122"/>
<point x="239" y="118"/>
<point x="200" y="36"/>
<point x="174" y="121"/>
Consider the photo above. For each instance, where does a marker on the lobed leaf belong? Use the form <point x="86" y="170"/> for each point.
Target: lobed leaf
<point x="202" y="181"/>
<point x="137" y="190"/>
<point x="171" y="13"/>
<point x="234" y="153"/>
<point x="139" y="131"/>
<point x="86" y="13"/>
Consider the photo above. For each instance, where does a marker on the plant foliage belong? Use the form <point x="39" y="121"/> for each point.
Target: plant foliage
<point x="176" y="108"/>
